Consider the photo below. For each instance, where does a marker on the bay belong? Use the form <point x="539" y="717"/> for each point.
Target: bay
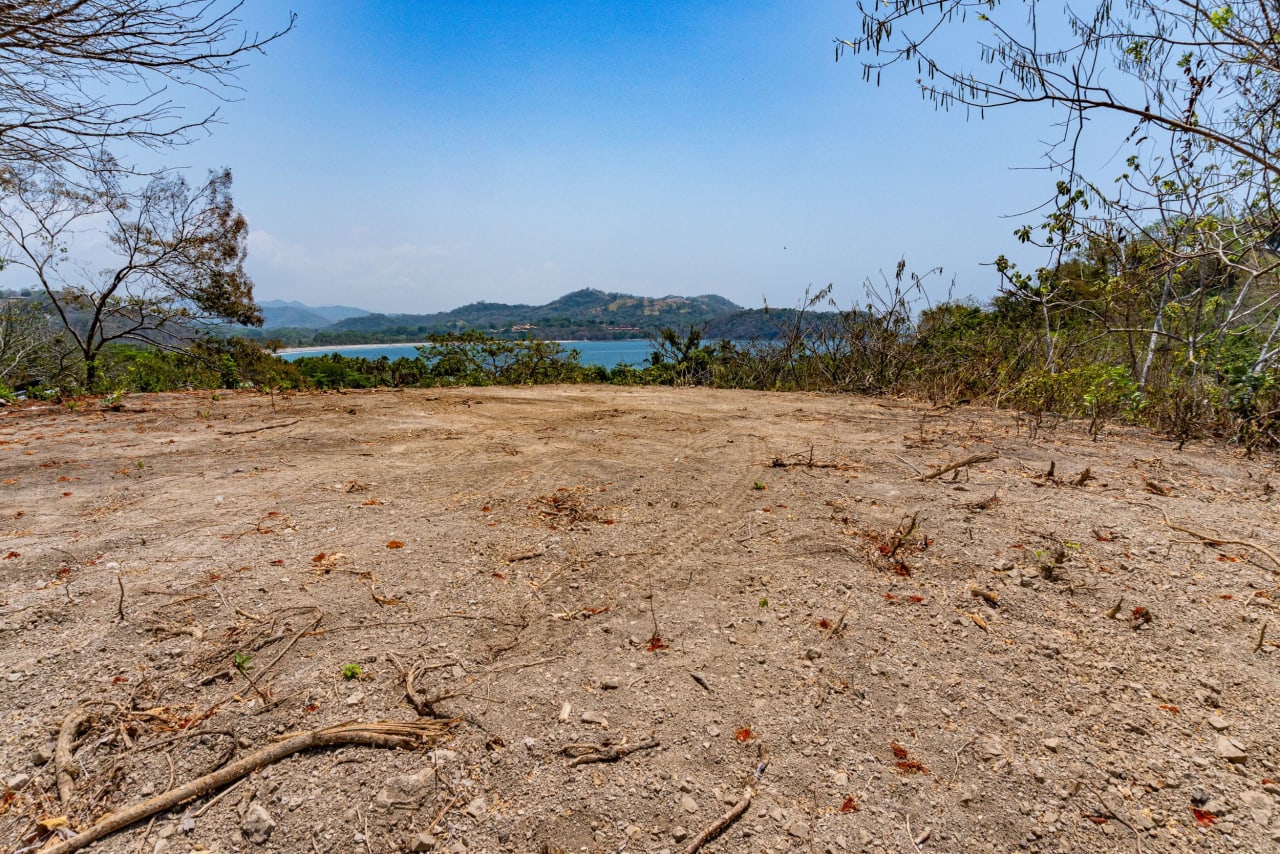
<point x="607" y="353"/>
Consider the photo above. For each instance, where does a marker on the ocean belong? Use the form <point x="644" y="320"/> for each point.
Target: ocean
<point x="607" y="353"/>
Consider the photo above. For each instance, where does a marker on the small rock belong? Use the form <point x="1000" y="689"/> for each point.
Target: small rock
<point x="1053" y="745"/>
<point x="1231" y="750"/>
<point x="610" y="684"/>
<point x="713" y="731"/>
<point x="477" y="808"/>
<point x="592" y="717"/>
<point x="187" y="825"/>
<point x="18" y="782"/>
<point x="161" y="847"/>
<point x="43" y="755"/>
<point x="679" y="834"/>
<point x="356" y="698"/>
<point x="1216" y="807"/>
<point x="530" y="743"/>
<point x="798" y="829"/>
<point x="565" y="709"/>
<point x="422" y="842"/>
<point x="406" y="790"/>
<point x="1218" y="723"/>
<point x="840" y="779"/>
<point x="1260" y="806"/>
<point x="257" y="824"/>
<point x="441" y="755"/>
<point x="688" y="804"/>
<point x="989" y="747"/>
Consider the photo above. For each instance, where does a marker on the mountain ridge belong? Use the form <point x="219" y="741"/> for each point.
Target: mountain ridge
<point x="584" y="314"/>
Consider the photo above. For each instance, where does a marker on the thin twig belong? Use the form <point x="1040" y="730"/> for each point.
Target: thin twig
<point x="906" y="463"/>
<point x="1211" y="540"/>
<point x="721" y="823"/>
<point x="985" y="457"/>
<point x="259" y="429"/>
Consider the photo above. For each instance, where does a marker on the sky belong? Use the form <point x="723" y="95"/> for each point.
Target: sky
<point x="410" y="157"/>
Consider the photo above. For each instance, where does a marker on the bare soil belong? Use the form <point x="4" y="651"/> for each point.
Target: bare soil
<point x="765" y="585"/>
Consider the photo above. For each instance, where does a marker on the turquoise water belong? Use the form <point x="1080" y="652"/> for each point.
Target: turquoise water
<point x="606" y="353"/>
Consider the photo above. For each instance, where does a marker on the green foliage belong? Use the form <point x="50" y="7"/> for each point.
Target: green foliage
<point x="241" y="660"/>
<point x="473" y="358"/>
<point x="682" y="358"/>
<point x="351" y="671"/>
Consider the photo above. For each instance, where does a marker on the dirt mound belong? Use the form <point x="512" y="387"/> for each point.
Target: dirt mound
<point x="636" y="605"/>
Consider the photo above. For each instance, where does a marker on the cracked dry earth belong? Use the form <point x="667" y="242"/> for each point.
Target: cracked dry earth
<point x="719" y="591"/>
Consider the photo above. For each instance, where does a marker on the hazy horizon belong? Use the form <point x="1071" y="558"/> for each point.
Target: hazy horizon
<point x="417" y="156"/>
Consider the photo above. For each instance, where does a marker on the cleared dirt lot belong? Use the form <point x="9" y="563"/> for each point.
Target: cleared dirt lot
<point x="734" y="576"/>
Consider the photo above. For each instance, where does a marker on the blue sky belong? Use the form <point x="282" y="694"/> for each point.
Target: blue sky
<point x="416" y="156"/>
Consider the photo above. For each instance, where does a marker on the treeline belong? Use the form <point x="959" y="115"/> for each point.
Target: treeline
<point x="739" y="325"/>
<point x="1087" y="340"/>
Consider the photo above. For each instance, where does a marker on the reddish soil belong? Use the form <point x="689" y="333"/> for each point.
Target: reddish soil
<point x="721" y="590"/>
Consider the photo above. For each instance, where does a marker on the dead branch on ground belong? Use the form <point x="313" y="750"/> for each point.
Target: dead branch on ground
<point x="384" y="734"/>
<point x="602" y="753"/>
<point x="803" y="460"/>
<point x="721" y="823"/>
<point x="63" y="753"/>
<point x="1212" y="540"/>
<point x="259" y="429"/>
<point x="984" y="457"/>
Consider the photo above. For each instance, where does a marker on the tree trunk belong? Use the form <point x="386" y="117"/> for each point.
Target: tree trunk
<point x="91" y="371"/>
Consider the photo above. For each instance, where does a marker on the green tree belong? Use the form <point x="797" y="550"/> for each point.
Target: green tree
<point x="177" y="256"/>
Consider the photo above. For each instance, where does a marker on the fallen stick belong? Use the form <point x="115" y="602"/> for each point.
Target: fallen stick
<point x="1211" y="540"/>
<point x="386" y="734"/>
<point x="612" y="754"/>
<point x="62" y="753"/>
<point x="259" y="429"/>
<point x="986" y="457"/>
<point x="721" y="823"/>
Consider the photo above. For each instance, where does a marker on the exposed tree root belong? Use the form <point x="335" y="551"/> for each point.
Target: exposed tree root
<point x="386" y="734"/>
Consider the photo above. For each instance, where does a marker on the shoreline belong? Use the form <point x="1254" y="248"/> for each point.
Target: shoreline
<point x="288" y="351"/>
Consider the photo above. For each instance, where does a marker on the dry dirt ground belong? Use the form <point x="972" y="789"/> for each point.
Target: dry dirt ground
<point x="721" y="591"/>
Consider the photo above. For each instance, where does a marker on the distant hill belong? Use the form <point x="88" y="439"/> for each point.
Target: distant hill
<point x="281" y="313"/>
<point x="581" y="315"/>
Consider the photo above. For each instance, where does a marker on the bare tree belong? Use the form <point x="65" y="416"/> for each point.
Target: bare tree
<point x="27" y="340"/>
<point x="1196" y="89"/>
<point x="1195" y="69"/>
<point x="77" y="75"/>
<point x="177" y="256"/>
